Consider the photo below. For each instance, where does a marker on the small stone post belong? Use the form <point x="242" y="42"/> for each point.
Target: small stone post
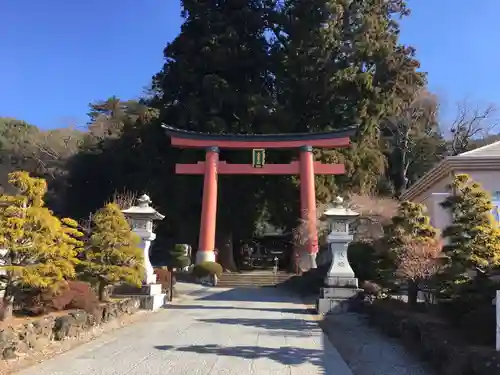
<point x="141" y="219"/>
<point x="340" y="281"/>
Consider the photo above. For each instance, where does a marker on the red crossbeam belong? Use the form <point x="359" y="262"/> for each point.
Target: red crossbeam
<point x="276" y="169"/>
<point x="202" y="143"/>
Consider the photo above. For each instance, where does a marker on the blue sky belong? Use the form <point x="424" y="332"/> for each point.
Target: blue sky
<point x="57" y="56"/>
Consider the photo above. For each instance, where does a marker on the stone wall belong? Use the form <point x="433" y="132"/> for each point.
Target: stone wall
<point x="39" y="332"/>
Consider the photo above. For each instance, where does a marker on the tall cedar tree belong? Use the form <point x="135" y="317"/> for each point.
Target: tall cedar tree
<point x="216" y="80"/>
<point x="409" y="228"/>
<point x="339" y="64"/>
<point x="259" y="66"/>
<point x="113" y="254"/>
<point x="473" y="237"/>
<point x="39" y="248"/>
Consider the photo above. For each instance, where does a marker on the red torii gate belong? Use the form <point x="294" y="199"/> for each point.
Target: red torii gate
<point x="306" y="168"/>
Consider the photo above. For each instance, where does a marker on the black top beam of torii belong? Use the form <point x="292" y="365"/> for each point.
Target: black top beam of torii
<point x="191" y="139"/>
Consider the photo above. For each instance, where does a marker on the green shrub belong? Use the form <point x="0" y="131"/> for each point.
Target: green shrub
<point x="473" y="236"/>
<point x="363" y="260"/>
<point x="176" y="257"/>
<point x="207" y="269"/>
<point x="310" y="282"/>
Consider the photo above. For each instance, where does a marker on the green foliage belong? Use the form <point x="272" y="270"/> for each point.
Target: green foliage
<point x="363" y="260"/>
<point x="177" y="258"/>
<point x="41" y="249"/>
<point x="410" y="225"/>
<point x="259" y="67"/>
<point x="207" y="269"/>
<point x="473" y="238"/>
<point x="411" y="221"/>
<point x="113" y="254"/>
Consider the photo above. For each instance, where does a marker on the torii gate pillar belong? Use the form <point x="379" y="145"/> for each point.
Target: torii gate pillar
<point x="306" y="168"/>
<point x="206" y="244"/>
<point x="308" y="202"/>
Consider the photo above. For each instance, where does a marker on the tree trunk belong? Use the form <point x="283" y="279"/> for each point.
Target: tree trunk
<point x="412" y="294"/>
<point x="226" y="255"/>
<point x="103" y="291"/>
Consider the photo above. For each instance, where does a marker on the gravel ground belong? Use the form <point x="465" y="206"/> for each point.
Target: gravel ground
<point x="367" y="351"/>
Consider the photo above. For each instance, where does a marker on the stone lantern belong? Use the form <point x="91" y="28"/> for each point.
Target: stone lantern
<point x="141" y="219"/>
<point x="340" y="281"/>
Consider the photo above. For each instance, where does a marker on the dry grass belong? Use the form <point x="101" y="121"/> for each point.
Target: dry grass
<point x="124" y="199"/>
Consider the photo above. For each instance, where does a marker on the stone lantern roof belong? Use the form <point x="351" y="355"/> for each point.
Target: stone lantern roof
<point x="143" y="209"/>
<point x="339" y="211"/>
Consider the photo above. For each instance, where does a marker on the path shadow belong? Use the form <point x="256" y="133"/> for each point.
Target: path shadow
<point x="267" y="295"/>
<point x="228" y="307"/>
<point x="293" y="325"/>
<point x="287" y="355"/>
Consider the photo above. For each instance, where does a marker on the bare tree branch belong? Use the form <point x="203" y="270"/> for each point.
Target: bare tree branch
<point x="375" y="213"/>
<point x="471" y="121"/>
<point x="413" y="120"/>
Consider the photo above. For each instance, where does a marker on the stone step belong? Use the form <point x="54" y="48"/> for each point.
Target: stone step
<point x="255" y="278"/>
<point x="252" y="279"/>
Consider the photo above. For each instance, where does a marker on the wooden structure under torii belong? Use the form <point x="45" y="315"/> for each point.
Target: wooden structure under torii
<point x="306" y="168"/>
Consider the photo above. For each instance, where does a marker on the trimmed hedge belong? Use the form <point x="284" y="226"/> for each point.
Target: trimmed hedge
<point x="207" y="269"/>
<point x="433" y="339"/>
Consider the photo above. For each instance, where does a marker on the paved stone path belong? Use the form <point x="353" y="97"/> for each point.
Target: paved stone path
<point x="366" y="351"/>
<point x="210" y="332"/>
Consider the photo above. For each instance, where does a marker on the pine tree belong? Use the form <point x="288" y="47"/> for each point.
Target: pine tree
<point x="39" y="248"/>
<point x="410" y="221"/>
<point x="113" y="254"/>
<point x="473" y="238"/>
<point x="408" y="233"/>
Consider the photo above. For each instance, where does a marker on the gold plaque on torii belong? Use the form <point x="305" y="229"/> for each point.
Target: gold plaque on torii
<point x="258" y="157"/>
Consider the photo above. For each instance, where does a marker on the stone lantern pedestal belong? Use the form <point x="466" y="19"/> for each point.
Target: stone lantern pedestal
<point x="141" y="219"/>
<point x="341" y="285"/>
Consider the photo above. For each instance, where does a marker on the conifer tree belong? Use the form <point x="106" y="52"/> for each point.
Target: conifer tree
<point x="113" y="254"/>
<point x="409" y="232"/>
<point x="410" y="221"/>
<point x="177" y="257"/>
<point x="226" y="89"/>
<point x="473" y="237"/>
<point x="39" y="249"/>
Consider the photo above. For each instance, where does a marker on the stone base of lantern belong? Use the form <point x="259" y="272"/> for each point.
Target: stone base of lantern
<point x="336" y="299"/>
<point x="341" y="281"/>
<point x="150" y="296"/>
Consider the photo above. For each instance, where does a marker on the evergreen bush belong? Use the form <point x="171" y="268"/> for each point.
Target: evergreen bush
<point x="177" y="257"/>
<point x="207" y="269"/>
<point x="412" y="248"/>
<point x="39" y="249"/>
<point x="113" y="254"/>
<point x="363" y="260"/>
<point x="473" y="237"/>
